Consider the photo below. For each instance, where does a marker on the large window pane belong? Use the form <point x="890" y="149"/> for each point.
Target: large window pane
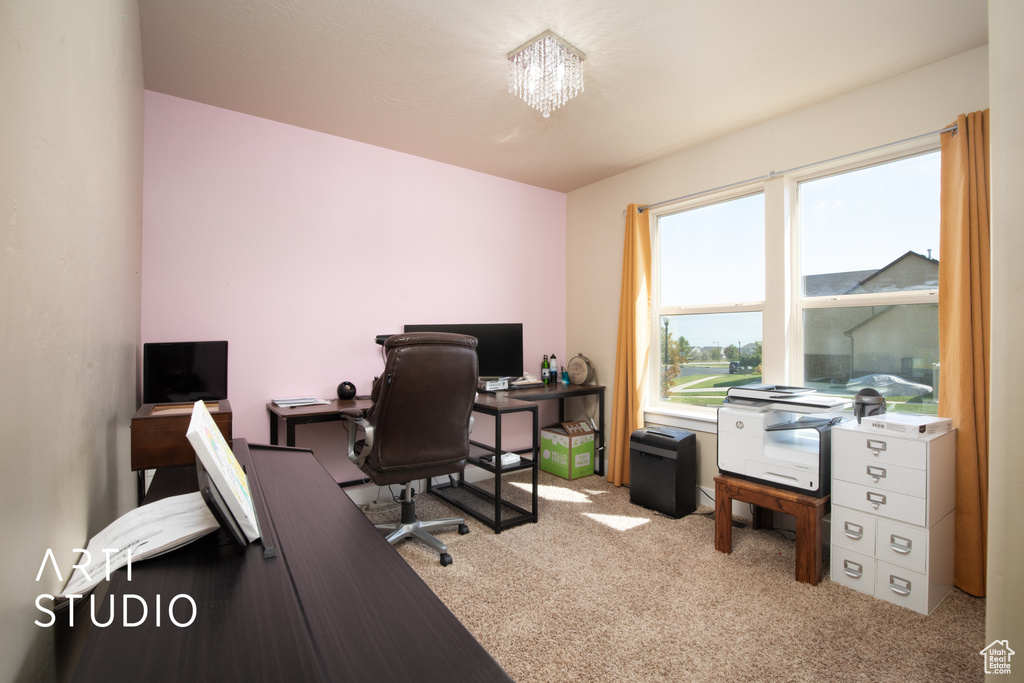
<point x="713" y="254"/>
<point x="892" y="349"/>
<point x="703" y="355"/>
<point x="872" y="230"/>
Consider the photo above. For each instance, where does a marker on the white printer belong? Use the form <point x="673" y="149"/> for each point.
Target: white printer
<point x="766" y="433"/>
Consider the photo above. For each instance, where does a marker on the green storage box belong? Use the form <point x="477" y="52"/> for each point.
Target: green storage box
<point x="567" y="450"/>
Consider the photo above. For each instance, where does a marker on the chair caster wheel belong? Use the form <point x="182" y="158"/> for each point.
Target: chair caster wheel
<point x="463" y="529"/>
<point x="446" y="559"/>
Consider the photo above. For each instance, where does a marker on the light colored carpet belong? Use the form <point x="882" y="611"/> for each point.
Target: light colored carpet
<point x="604" y="590"/>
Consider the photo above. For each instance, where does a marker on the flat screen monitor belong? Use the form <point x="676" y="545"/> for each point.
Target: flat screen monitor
<point x="179" y="372"/>
<point x="499" y="348"/>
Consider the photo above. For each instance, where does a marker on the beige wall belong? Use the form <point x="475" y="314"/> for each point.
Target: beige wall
<point x="1005" y="604"/>
<point x="917" y="102"/>
<point x="70" y="211"/>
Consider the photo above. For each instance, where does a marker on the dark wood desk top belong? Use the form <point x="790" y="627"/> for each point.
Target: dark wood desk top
<point x="518" y="399"/>
<point x="502" y="401"/>
<point x="338" y="603"/>
<point x="555" y="390"/>
<point x="335" y="408"/>
<point x="505" y="400"/>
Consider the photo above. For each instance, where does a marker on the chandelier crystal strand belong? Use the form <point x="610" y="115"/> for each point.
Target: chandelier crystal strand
<point x="545" y="73"/>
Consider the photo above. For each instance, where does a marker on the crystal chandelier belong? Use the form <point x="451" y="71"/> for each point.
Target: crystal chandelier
<point x="546" y="72"/>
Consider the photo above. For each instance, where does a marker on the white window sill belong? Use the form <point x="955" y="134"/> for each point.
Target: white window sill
<point x="695" y="421"/>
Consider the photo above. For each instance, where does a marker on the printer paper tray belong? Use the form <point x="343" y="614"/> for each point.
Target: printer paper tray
<point x="772" y="473"/>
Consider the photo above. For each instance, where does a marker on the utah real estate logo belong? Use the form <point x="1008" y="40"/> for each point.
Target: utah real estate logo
<point x="997" y="657"/>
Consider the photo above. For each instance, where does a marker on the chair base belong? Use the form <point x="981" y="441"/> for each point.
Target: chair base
<point x="413" y="527"/>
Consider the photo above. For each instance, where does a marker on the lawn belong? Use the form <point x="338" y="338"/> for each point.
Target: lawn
<point x="709" y="390"/>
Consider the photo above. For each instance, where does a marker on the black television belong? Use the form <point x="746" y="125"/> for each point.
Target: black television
<point x="184" y="372"/>
<point x="499" y="348"/>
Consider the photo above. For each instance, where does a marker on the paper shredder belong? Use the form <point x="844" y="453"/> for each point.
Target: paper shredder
<point x="663" y="470"/>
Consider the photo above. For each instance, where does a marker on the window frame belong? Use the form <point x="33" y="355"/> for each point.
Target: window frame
<point x="799" y="302"/>
<point x="784" y="304"/>
<point x="653" y="402"/>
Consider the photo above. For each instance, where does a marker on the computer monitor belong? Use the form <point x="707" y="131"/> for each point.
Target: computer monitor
<point x="499" y="348"/>
<point x="180" y="372"/>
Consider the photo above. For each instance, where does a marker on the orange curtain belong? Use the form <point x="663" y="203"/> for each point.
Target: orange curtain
<point x="631" y="351"/>
<point x="964" y="268"/>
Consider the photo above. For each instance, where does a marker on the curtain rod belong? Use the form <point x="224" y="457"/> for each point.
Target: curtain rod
<point x="772" y="174"/>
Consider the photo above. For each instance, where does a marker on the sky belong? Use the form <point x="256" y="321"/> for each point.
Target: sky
<point x="876" y="215"/>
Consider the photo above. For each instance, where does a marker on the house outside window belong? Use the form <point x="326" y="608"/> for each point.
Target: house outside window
<point x="845" y="296"/>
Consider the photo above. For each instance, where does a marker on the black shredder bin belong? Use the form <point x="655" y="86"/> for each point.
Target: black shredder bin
<point x="663" y="470"/>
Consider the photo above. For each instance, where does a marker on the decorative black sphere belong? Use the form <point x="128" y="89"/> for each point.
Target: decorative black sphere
<point x="346" y="390"/>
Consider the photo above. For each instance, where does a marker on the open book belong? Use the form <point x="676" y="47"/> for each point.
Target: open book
<point x="144" y="532"/>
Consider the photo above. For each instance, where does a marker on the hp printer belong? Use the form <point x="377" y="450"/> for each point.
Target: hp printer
<point x="767" y="434"/>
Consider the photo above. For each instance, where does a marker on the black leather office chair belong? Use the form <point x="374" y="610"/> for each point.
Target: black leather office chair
<point x="419" y="424"/>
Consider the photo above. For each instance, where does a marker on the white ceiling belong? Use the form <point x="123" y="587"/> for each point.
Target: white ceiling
<point x="428" y="77"/>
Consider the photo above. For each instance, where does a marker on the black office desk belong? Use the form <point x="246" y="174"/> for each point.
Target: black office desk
<point x="559" y="391"/>
<point x="338" y="603"/>
<point x="488" y="458"/>
<point x="309" y="415"/>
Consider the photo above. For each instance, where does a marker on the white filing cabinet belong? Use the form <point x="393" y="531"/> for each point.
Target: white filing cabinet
<point x="892" y="514"/>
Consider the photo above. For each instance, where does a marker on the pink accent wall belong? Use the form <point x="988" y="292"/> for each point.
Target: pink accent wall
<point x="299" y="247"/>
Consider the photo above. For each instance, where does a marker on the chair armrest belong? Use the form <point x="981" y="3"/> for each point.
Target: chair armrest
<point x="353" y="412"/>
<point x="355" y="423"/>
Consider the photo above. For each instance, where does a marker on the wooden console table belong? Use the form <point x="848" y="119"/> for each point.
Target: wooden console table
<point x="808" y="511"/>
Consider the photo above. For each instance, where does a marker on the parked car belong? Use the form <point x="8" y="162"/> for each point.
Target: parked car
<point x="888" y="385"/>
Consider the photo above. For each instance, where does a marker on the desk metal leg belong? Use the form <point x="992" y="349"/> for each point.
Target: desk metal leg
<point x="273" y="427"/>
<point x="600" y="421"/>
<point x="536" y="461"/>
<point x="289" y="426"/>
<point x="496" y="461"/>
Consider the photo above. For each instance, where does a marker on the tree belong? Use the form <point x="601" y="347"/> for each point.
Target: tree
<point x="752" y="359"/>
<point x="681" y="349"/>
<point x="675" y="351"/>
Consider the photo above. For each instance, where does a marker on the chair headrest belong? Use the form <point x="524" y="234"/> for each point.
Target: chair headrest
<point x="429" y="339"/>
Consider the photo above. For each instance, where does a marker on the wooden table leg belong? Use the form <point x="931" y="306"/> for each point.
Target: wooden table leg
<point x="763" y="518"/>
<point x="807" y="510"/>
<point x="808" y="543"/>
<point x="723" y="518"/>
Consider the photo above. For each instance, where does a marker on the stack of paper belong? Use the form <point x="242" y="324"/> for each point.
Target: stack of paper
<point x="509" y="459"/>
<point x="299" y="402"/>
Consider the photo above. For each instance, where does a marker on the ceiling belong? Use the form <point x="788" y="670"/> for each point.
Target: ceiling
<point x="429" y="78"/>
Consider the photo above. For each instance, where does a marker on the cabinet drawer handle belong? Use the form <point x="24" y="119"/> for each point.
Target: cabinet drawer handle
<point x="876" y="499"/>
<point x="853" y="569"/>
<point x="900" y="544"/>
<point x="898" y="585"/>
<point x="854" y="531"/>
<point x="876" y="446"/>
<point x="876" y="473"/>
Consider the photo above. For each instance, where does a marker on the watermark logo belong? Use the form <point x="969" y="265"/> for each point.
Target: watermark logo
<point x="997" y="657"/>
<point x="129" y="601"/>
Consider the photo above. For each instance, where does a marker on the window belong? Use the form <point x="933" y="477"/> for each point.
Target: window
<point x="825" y="277"/>
<point x="710" y="289"/>
<point x="869" y="279"/>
